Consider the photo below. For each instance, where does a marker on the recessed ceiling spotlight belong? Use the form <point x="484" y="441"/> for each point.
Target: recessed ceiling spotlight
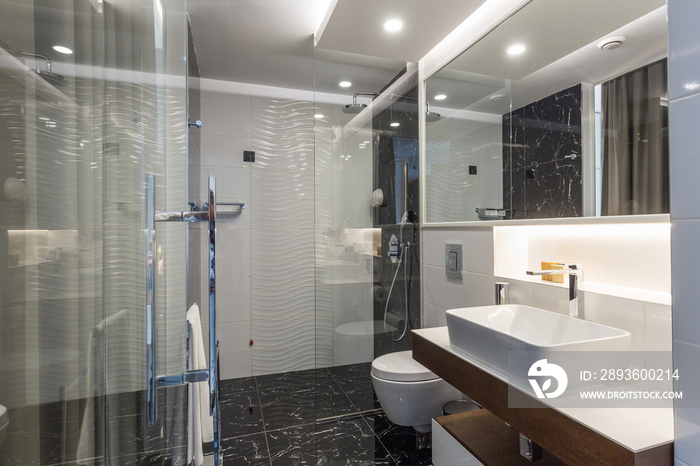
<point x="692" y="86"/>
<point x="344" y="84"/>
<point x="611" y="43"/>
<point x="516" y="49"/>
<point x="395" y="124"/>
<point x="62" y="49"/>
<point x="393" y="25"/>
<point x="440" y="97"/>
<point x="318" y="116"/>
<point x="497" y="97"/>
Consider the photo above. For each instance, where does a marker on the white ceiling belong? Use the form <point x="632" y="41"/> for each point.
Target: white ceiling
<point x="271" y="42"/>
<point x="549" y="72"/>
<point x="356" y="26"/>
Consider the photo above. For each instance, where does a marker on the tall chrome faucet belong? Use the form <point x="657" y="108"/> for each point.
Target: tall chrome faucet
<point x="575" y="273"/>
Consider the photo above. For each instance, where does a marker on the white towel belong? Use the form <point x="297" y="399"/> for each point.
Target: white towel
<point x="200" y="421"/>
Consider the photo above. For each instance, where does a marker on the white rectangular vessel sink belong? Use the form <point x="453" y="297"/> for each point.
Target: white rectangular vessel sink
<point x="488" y="333"/>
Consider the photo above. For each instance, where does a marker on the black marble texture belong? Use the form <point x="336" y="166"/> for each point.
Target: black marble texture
<point x="542" y="157"/>
<point x="297" y="423"/>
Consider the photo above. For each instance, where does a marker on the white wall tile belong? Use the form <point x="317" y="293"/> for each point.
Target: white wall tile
<point x="352" y="186"/>
<point x="234" y="337"/>
<point x="226" y="120"/>
<point x="685" y="161"/>
<point x="232" y="275"/>
<point x="477" y="248"/>
<point x="233" y="306"/>
<point x="617" y="312"/>
<point x="225" y="151"/>
<point x="685" y="256"/>
<point x="270" y="183"/>
<point x="236" y="365"/>
<point x="684" y="56"/>
<point x="433" y="316"/>
<point x="687" y="410"/>
<point x="291" y="213"/>
<point x="284" y="273"/>
<point x="356" y="214"/>
<point x="658" y="332"/>
<point x="473" y="290"/>
<point x="279" y="243"/>
<point x="287" y="332"/>
<point x="231" y="244"/>
<point x="548" y="297"/>
<point x="276" y="360"/>
<point x="285" y="303"/>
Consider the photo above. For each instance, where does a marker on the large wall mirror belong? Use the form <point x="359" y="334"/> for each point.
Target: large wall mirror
<point x="560" y="111"/>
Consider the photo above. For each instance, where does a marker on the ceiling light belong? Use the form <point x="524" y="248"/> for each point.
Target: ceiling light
<point x="395" y="124"/>
<point x="318" y="116"/>
<point x="440" y="97"/>
<point x="344" y="84"/>
<point x="693" y="86"/>
<point x="393" y="25"/>
<point x="516" y="49"/>
<point x="62" y="49"/>
<point x="497" y="97"/>
<point x="611" y="43"/>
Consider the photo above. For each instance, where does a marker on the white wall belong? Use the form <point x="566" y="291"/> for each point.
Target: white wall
<point x="292" y="267"/>
<point x="646" y="316"/>
<point x="684" y="113"/>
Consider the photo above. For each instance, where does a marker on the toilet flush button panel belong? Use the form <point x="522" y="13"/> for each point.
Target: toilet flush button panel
<point x="453" y="261"/>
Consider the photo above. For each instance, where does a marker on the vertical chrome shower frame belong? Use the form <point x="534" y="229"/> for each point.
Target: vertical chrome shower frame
<point x="154" y="380"/>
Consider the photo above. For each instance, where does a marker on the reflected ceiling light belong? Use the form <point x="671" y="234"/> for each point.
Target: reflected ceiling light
<point x="440" y="97"/>
<point x="516" y="49"/>
<point x="318" y="116"/>
<point x="694" y="86"/>
<point x="393" y="25"/>
<point x="611" y="43"/>
<point x="62" y="49"/>
<point x="344" y="84"/>
<point x="395" y="124"/>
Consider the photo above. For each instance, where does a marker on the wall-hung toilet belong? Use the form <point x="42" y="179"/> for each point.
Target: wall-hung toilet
<point x="409" y="393"/>
<point x="4" y="422"/>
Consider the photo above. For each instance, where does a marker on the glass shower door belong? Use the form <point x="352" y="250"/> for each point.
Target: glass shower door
<point x="78" y="134"/>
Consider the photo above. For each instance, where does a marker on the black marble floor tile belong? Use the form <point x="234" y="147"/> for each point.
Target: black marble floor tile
<point x="303" y="407"/>
<point x="246" y="450"/>
<point x="361" y="394"/>
<point x="400" y="441"/>
<point x="351" y="371"/>
<point x="240" y="415"/>
<point x="293" y="382"/>
<point x="344" y="442"/>
<point x="233" y="387"/>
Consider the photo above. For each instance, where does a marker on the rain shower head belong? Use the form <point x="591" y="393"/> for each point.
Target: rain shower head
<point x="431" y="116"/>
<point x="354" y="108"/>
<point x="50" y="77"/>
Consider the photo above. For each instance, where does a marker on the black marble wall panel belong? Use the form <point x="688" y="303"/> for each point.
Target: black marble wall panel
<point x="542" y="149"/>
<point x="396" y="166"/>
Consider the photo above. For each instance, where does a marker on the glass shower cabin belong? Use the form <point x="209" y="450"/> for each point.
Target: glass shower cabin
<point x="367" y="248"/>
<point x="79" y="133"/>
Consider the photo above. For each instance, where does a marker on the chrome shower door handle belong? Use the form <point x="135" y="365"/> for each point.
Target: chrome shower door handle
<point x="154" y="381"/>
<point x="151" y="331"/>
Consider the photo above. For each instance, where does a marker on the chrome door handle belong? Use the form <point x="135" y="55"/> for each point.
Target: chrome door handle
<point x="154" y="381"/>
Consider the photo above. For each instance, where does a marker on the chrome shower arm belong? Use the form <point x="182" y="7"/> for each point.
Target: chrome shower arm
<point x="37" y="55"/>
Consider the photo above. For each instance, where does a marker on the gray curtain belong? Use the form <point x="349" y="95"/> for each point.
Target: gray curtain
<point x="635" y="142"/>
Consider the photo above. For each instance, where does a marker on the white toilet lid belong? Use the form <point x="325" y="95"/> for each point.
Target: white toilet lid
<point x="401" y="367"/>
